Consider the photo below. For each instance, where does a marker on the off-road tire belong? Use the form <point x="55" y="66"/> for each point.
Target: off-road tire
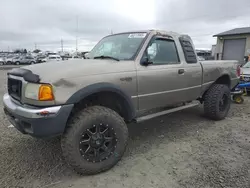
<point x="81" y="121"/>
<point x="212" y="101"/>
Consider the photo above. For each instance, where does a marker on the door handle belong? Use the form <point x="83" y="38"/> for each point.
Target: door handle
<point x="181" y="71"/>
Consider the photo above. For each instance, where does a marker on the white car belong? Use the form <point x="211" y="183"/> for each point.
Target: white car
<point x="200" y="58"/>
<point x="54" y="58"/>
<point x="2" y="61"/>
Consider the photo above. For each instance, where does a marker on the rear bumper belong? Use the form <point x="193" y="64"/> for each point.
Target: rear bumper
<point x="37" y="122"/>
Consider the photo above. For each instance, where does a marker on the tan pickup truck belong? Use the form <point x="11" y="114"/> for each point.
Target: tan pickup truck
<point x="127" y="77"/>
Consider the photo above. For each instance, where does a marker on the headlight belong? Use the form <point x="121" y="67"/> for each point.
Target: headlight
<point x="41" y="92"/>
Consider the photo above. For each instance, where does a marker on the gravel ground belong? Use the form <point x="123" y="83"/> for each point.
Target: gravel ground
<point x="178" y="150"/>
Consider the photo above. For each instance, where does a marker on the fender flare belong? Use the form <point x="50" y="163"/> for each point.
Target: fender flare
<point x="104" y="87"/>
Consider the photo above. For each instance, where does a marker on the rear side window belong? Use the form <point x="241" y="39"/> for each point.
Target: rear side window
<point x="188" y="50"/>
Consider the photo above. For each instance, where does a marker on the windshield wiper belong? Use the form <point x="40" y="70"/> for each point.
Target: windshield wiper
<point x="106" y="57"/>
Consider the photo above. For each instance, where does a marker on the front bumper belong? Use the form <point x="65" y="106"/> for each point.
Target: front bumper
<point x="37" y="122"/>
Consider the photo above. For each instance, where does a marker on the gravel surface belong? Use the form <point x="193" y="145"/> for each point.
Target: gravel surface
<point x="178" y="150"/>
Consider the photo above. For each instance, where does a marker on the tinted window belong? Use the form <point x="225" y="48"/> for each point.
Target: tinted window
<point x="163" y="51"/>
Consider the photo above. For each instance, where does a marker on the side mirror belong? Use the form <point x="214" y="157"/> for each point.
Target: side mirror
<point x="146" y="61"/>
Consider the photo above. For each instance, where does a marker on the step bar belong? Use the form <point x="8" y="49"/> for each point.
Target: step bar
<point x="150" y="116"/>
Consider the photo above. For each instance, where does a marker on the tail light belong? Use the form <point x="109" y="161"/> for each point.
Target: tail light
<point x="238" y="71"/>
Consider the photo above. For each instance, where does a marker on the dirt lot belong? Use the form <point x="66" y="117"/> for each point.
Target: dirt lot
<point x="179" y="150"/>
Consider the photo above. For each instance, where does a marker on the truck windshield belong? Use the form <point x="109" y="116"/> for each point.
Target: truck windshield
<point x="120" y="46"/>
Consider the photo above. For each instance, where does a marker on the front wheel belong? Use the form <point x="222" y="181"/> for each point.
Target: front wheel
<point x="17" y="63"/>
<point x="217" y="102"/>
<point x="95" y="140"/>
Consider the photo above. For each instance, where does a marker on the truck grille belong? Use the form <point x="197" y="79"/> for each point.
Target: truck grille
<point x="15" y="88"/>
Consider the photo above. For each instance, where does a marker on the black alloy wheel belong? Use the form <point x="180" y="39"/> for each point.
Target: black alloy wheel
<point x="98" y="143"/>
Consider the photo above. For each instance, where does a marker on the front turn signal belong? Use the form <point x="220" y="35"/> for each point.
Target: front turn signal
<point x="45" y="93"/>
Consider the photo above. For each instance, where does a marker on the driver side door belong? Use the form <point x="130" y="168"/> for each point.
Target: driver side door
<point x="160" y="83"/>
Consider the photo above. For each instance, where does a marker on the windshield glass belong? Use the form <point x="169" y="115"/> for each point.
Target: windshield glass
<point x="121" y="46"/>
<point x="247" y="65"/>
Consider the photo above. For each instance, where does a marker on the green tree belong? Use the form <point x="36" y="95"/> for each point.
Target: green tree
<point x="37" y="51"/>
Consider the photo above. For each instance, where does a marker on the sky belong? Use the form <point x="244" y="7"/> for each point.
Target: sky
<point x="45" y="23"/>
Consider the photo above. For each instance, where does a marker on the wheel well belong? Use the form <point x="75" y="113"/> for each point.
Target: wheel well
<point x="107" y="99"/>
<point x="225" y="80"/>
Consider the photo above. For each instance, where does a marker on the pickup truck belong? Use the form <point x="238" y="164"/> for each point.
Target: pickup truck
<point x="127" y="77"/>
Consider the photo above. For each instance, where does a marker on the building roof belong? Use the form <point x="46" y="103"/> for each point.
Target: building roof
<point x="236" y="31"/>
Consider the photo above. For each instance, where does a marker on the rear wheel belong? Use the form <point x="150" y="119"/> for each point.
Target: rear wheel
<point x="217" y="102"/>
<point x="17" y="63"/>
<point x="32" y="62"/>
<point x="95" y="140"/>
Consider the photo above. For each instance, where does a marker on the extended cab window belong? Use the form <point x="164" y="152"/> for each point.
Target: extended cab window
<point x="163" y="51"/>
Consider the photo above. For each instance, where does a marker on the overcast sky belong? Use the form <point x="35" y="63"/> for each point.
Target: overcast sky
<point x="45" y="22"/>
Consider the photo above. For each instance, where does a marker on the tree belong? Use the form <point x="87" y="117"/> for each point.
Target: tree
<point x="17" y="51"/>
<point x="36" y="51"/>
<point x="20" y="51"/>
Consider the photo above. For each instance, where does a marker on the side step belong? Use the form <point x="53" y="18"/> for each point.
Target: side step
<point x="150" y="116"/>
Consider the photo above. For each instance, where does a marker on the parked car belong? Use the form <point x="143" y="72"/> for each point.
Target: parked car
<point x="52" y="58"/>
<point x="200" y="58"/>
<point x="41" y="59"/>
<point x="76" y="57"/>
<point x="245" y="73"/>
<point x="129" y="77"/>
<point x="2" y="61"/>
<point x="9" y="59"/>
<point x="24" y="60"/>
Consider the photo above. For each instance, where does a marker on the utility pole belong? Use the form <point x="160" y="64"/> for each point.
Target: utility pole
<point x="111" y="32"/>
<point x="62" y="45"/>
<point x="35" y="46"/>
<point x="76" y="33"/>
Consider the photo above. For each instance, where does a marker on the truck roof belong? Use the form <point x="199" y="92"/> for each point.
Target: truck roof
<point x="171" y="33"/>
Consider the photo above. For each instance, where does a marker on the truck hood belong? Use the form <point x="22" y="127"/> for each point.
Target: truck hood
<point x="52" y="71"/>
<point x="245" y="71"/>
